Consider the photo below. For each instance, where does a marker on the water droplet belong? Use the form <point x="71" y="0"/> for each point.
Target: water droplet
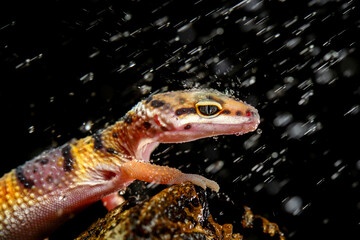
<point x="325" y="76"/>
<point x="273" y="188"/>
<point x="187" y="34"/>
<point x="257" y="167"/>
<point x="358" y="164"/>
<point x="149" y="76"/>
<point x="335" y="175"/>
<point x="145" y="89"/>
<point x="215" y="167"/>
<point x="239" y="159"/>
<point x="293" y="205"/>
<point x="283" y="119"/>
<point x="86" y="126"/>
<point x="259" y="131"/>
<point x="127" y="17"/>
<point x="337" y="163"/>
<point x="296" y="130"/>
<point x="253" y="5"/>
<point x="293" y="42"/>
<point x="223" y="67"/>
<point x="306" y="97"/>
<point x="116" y="37"/>
<point x="87" y="77"/>
<point x="349" y="67"/>
<point x="31" y="129"/>
<point x="252" y="141"/>
<point x="353" y="111"/>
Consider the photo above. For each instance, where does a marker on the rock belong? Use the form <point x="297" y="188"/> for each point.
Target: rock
<point x="178" y="212"/>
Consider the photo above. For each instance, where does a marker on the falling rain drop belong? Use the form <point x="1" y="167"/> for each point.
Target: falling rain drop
<point x="223" y="67"/>
<point x="325" y="76"/>
<point x="358" y="164"/>
<point x="187" y="34"/>
<point x="296" y="130"/>
<point x="87" y="77"/>
<point x="31" y="129"/>
<point x="215" y="167"/>
<point x="293" y="205"/>
<point x="283" y="119"/>
<point x="252" y="141"/>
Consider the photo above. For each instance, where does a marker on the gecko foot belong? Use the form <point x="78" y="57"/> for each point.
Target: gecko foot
<point x="198" y="180"/>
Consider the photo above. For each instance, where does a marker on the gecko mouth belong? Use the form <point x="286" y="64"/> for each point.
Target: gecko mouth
<point x="227" y="129"/>
<point x="194" y="131"/>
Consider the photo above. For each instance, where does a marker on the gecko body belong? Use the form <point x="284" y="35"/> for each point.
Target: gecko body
<point x="41" y="194"/>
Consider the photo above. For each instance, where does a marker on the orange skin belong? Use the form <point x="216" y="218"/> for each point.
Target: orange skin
<point x="40" y="195"/>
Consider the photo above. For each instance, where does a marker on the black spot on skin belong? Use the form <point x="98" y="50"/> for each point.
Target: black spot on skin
<point x="44" y="161"/>
<point x="115" y="135"/>
<point x="68" y="159"/>
<point x="146" y="125"/>
<point x="182" y="100"/>
<point x="128" y="119"/>
<point x="226" y="111"/>
<point x="28" y="183"/>
<point x="182" y="111"/>
<point x="148" y="99"/>
<point x="238" y="113"/>
<point x="35" y="170"/>
<point x="111" y="150"/>
<point x="187" y="127"/>
<point x="97" y="141"/>
<point x="157" y="103"/>
<point x="49" y="179"/>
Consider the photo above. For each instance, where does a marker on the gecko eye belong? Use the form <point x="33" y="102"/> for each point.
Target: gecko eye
<point x="208" y="108"/>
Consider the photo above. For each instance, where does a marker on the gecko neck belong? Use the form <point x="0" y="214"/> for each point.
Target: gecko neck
<point x="135" y="134"/>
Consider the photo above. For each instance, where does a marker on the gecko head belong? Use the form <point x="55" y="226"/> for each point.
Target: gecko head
<point x="183" y="116"/>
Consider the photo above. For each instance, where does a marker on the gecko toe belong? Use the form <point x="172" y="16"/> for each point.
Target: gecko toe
<point x="199" y="181"/>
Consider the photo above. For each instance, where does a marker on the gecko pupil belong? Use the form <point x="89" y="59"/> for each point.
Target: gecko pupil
<point x="208" y="110"/>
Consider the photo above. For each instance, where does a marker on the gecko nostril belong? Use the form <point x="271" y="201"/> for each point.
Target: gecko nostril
<point x="251" y="113"/>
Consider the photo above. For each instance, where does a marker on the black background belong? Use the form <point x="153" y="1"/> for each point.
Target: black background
<point x="67" y="63"/>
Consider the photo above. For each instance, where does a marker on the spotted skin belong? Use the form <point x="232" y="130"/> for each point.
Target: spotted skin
<point x="41" y="194"/>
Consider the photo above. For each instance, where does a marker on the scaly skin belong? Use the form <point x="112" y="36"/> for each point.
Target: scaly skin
<point x="40" y="195"/>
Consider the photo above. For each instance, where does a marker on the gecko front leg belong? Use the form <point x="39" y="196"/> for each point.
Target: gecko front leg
<point x="148" y="172"/>
<point x="164" y="175"/>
